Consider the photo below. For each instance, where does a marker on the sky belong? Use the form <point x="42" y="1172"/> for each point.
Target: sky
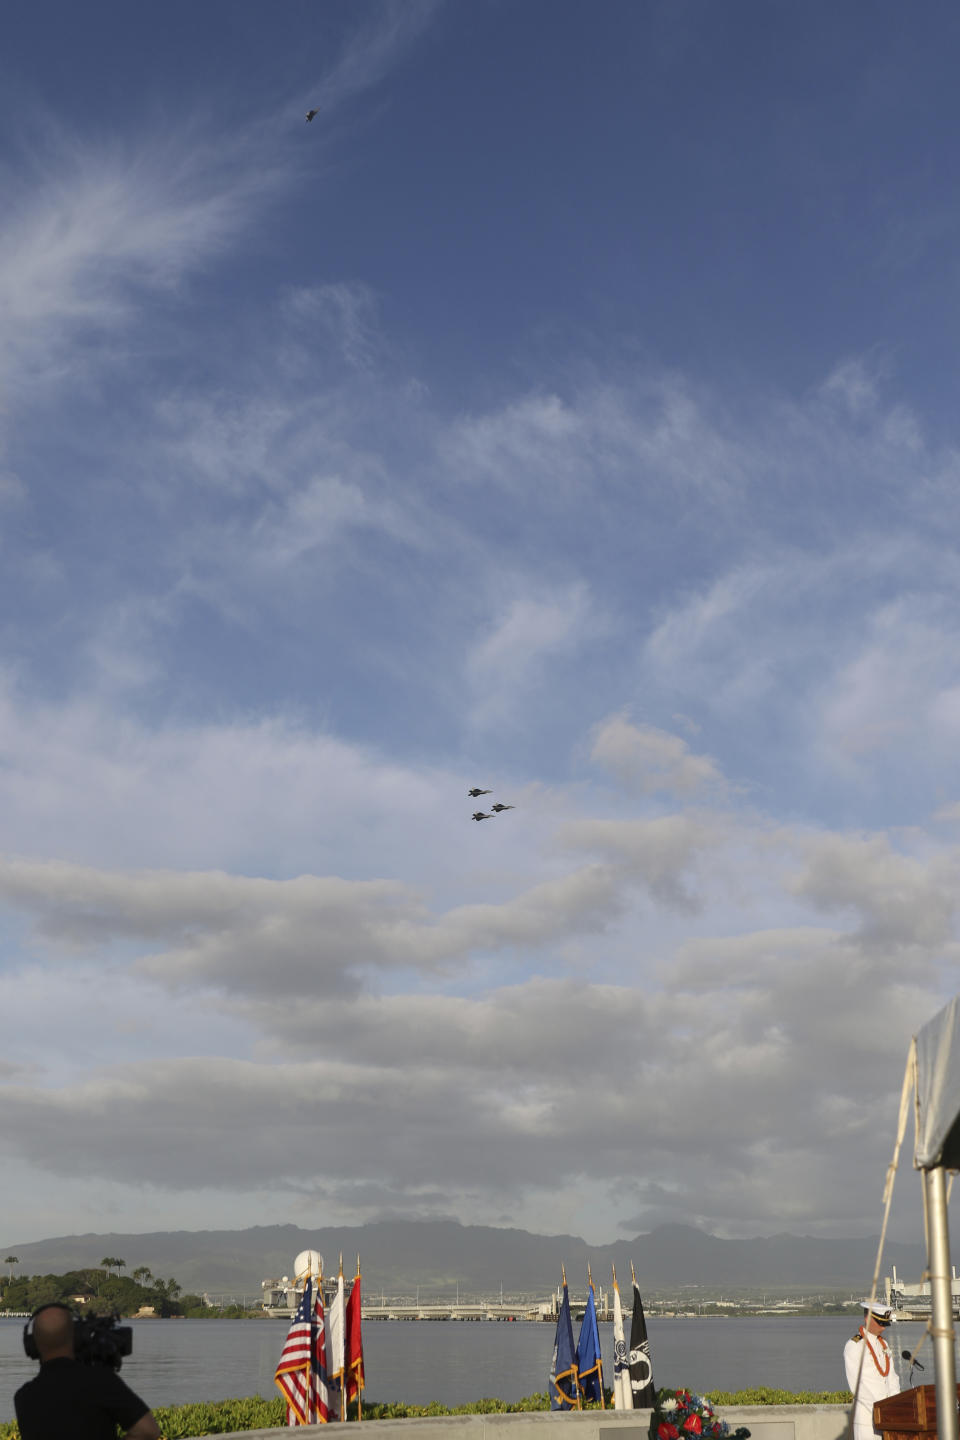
<point x="567" y="411"/>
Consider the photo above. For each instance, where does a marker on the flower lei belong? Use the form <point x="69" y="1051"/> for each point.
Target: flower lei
<point x="681" y="1415"/>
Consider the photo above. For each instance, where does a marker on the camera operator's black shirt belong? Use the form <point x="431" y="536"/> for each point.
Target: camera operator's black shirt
<point x="86" y="1402"/>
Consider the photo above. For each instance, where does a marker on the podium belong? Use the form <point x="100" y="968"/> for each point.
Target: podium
<point x="908" y="1415"/>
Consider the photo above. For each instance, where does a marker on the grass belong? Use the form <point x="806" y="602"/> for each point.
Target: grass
<point x="221" y="1417"/>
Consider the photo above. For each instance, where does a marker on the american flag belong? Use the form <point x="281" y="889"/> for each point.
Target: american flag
<point x="300" y="1375"/>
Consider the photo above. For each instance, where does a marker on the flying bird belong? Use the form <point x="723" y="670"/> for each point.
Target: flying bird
<point x="474" y="793"/>
<point x="310" y="115"/>
<point x="479" y="815"/>
<point x="497" y="808"/>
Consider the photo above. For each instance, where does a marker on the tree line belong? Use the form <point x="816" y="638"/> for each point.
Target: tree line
<point x="97" y="1290"/>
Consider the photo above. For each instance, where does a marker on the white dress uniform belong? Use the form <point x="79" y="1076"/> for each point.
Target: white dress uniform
<point x="869" y="1357"/>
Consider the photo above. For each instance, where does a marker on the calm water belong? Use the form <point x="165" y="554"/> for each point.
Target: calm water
<point x="174" y="1361"/>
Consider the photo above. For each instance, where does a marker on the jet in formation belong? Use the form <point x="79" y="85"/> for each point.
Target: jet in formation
<point x="497" y="809"/>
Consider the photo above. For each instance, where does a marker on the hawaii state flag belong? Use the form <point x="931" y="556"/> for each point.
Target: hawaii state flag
<point x="354" y="1376"/>
<point x="641" y="1369"/>
<point x="293" y="1373"/>
<point x="589" y="1363"/>
<point x="622" y="1391"/>
<point x="564" y="1391"/>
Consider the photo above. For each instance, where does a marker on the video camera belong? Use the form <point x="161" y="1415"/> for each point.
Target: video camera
<point x="97" y="1339"/>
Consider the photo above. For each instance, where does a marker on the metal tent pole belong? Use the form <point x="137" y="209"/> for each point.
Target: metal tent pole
<point x="942" y="1304"/>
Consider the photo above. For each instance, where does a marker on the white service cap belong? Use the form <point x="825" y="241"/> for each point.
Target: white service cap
<point x="882" y="1312"/>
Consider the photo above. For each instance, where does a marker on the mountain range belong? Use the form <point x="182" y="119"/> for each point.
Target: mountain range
<point x="398" y="1256"/>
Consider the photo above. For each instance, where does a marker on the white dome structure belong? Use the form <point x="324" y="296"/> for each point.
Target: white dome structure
<point x="308" y="1263"/>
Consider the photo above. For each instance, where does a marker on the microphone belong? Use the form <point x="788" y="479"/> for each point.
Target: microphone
<point x="907" y="1356"/>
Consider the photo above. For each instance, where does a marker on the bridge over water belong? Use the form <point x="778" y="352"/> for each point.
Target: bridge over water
<point x="458" y="1310"/>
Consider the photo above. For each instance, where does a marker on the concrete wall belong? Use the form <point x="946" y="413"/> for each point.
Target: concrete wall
<point x="765" y="1422"/>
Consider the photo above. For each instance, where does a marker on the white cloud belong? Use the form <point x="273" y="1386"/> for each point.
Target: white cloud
<point x="658" y="854"/>
<point x="854" y="384"/>
<point x="368" y="55"/>
<point x="900" y="900"/>
<point x="648" y="760"/>
<point x="484" y="1082"/>
<point x="96" y="230"/>
<point x="506" y="666"/>
<point x="647" y="436"/>
<point x="347" y="311"/>
<point x="312" y="935"/>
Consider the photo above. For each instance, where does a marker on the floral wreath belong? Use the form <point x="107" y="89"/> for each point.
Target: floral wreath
<point x="681" y="1415"/>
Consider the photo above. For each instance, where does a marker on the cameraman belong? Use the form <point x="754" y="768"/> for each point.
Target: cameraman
<point x="87" y="1402"/>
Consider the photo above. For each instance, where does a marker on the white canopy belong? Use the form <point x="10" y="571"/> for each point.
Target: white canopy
<point x="938" y="1090"/>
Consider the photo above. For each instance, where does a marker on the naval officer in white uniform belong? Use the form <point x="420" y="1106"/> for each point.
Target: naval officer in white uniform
<point x="871" y="1373"/>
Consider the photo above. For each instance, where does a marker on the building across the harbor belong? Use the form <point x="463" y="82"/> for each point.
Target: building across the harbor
<point x="911" y="1298"/>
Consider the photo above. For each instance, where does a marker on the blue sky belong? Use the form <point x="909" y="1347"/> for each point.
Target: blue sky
<point x="568" y="410"/>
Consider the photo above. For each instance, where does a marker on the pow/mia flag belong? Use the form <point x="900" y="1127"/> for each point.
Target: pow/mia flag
<point x="641" y="1370"/>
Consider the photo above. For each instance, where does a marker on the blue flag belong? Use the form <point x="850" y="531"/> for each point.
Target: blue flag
<point x="564" y="1391"/>
<point x="589" y="1363"/>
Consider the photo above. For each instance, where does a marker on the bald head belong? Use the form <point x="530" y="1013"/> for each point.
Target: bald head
<point x="53" y="1332"/>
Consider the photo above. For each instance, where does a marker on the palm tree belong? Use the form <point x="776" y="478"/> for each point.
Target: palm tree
<point x="141" y="1275"/>
<point x="11" y="1260"/>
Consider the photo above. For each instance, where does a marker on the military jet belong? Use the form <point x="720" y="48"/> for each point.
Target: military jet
<point x="479" y="815"/>
<point x="474" y="793"/>
<point x="497" y="808"/>
<point x="310" y="115"/>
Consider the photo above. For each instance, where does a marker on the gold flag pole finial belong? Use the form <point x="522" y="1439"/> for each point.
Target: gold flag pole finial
<point x="633" y="1273"/>
<point x="589" y="1275"/>
<point x="614" y="1269"/>
<point x="563" y="1271"/>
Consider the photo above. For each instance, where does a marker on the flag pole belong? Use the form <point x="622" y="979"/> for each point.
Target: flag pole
<point x="311" y="1363"/>
<point x="359" y="1409"/>
<point x="343" y="1340"/>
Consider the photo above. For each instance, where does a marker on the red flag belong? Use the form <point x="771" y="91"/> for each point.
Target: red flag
<point x="354" y="1375"/>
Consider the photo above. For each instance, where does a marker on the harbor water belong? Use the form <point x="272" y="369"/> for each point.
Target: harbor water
<point x="455" y="1362"/>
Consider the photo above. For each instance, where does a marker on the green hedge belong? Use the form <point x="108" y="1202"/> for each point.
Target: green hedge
<point x="220" y="1417"/>
<point x="765" y="1395"/>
